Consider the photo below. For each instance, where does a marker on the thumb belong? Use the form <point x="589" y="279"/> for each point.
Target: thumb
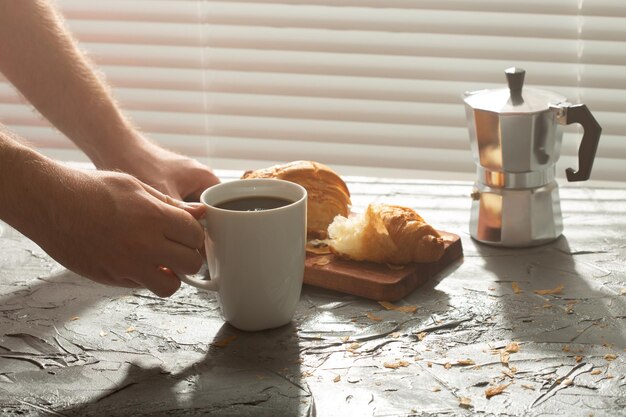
<point x="164" y="197"/>
<point x="200" y="183"/>
<point x="197" y="210"/>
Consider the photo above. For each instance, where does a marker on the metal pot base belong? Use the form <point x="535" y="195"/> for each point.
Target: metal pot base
<point x="516" y="217"/>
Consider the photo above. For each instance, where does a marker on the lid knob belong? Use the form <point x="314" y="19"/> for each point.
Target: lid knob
<point x="515" y="79"/>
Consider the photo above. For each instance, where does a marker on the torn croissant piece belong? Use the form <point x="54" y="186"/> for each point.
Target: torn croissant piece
<point x="328" y="195"/>
<point x="385" y="234"/>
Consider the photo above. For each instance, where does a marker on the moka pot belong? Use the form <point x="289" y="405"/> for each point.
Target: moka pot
<point x="515" y="138"/>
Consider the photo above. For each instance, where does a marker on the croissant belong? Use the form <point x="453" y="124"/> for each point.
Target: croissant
<point x="328" y="195"/>
<point x="385" y="234"/>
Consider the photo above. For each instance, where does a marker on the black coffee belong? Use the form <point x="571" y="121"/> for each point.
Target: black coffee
<point x="255" y="203"/>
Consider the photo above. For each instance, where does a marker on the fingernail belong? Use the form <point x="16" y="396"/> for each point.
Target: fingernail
<point x="192" y="205"/>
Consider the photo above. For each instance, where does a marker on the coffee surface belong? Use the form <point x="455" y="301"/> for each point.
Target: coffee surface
<point x="254" y="203"/>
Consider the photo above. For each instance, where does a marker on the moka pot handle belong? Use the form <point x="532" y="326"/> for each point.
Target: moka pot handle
<point x="579" y="113"/>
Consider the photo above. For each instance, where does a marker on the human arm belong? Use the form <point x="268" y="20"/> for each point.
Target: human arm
<point x="105" y="226"/>
<point x="40" y="57"/>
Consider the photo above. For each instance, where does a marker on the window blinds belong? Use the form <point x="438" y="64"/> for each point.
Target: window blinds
<point x="362" y="83"/>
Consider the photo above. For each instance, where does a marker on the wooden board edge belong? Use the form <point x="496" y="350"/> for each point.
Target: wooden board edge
<point x="398" y="292"/>
<point x="391" y="291"/>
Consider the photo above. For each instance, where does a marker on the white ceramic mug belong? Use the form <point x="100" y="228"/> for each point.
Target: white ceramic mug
<point x="255" y="258"/>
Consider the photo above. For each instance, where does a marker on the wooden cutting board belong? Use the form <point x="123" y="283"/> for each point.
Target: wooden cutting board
<point x="375" y="281"/>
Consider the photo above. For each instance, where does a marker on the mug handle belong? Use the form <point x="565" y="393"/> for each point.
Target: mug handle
<point x="208" y="284"/>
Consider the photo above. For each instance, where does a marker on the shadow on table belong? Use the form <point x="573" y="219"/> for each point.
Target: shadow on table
<point x="549" y="296"/>
<point x="34" y="311"/>
<point x="242" y="374"/>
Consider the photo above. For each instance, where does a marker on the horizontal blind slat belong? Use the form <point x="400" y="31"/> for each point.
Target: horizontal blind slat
<point x="460" y="44"/>
<point x="302" y="108"/>
<point x="392" y="20"/>
<point x="603" y="8"/>
<point x="138" y="33"/>
<point x="539" y="6"/>
<point x="121" y="10"/>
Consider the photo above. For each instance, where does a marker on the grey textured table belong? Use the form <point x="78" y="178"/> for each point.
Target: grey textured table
<point x="72" y="347"/>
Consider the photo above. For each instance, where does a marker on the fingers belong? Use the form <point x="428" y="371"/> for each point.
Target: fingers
<point x="127" y="283"/>
<point x="181" y="226"/>
<point x="179" y="258"/>
<point x="161" y="281"/>
<point x="178" y="251"/>
<point x="205" y="180"/>
<point x="195" y="209"/>
<point x="163" y="197"/>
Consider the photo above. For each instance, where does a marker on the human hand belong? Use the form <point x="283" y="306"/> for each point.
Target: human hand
<point x="44" y="63"/>
<point x="113" y="229"/>
<point x="176" y="175"/>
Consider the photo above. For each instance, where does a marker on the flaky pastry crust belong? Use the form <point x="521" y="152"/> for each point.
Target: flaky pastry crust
<point x="328" y="195"/>
<point x="391" y="234"/>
